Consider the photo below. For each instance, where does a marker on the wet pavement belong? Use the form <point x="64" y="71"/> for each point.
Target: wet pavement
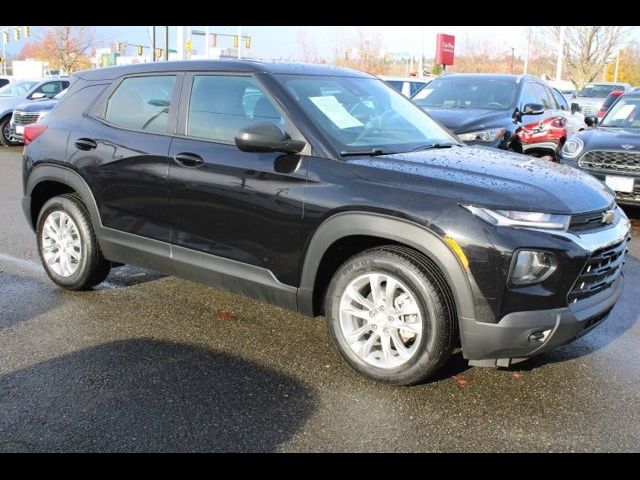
<point x="148" y="362"/>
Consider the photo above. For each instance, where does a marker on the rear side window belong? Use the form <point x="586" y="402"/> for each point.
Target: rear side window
<point x="221" y="104"/>
<point x="141" y="103"/>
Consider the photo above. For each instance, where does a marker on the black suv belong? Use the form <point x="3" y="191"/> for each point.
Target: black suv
<point x="510" y="112"/>
<point x="325" y="191"/>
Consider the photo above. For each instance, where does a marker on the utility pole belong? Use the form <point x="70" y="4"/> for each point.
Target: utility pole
<point x="615" y="75"/>
<point x="239" y="42"/>
<point x="153" y="43"/>
<point x="421" y="63"/>
<point x="206" y="41"/>
<point x="526" y="55"/>
<point x="513" y="51"/>
<point x="560" y="55"/>
<point x="166" y="43"/>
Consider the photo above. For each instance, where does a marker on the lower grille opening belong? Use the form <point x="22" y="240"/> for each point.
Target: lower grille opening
<point x="593" y="321"/>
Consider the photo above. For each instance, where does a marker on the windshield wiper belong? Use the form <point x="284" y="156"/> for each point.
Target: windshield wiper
<point x="370" y="153"/>
<point x="434" y="145"/>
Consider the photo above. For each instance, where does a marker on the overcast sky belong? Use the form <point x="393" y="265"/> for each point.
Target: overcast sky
<point x="281" y="42"/>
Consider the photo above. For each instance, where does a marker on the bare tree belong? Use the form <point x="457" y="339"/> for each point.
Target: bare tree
<point x="364" y="53"/>
<point x="66" y="48"/>
<point x="587" y="49"/>
<point x="308" y="50"/>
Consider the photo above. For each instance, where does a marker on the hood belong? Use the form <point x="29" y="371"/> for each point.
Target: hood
<point x="463" y="120"/>
<point x="41" y="105"/>
<point x="611" y="138"/>
<point x="489" y="177"/>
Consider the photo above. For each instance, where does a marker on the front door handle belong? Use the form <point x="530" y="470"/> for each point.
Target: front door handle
<point x="189" y="159"/>
<point x="85" y="144"/>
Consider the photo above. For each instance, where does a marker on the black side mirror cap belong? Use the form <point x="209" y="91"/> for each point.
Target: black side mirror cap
<point x="266" y="137"/>
<point x="591" y="120"/>
<point x="533" y="109"/>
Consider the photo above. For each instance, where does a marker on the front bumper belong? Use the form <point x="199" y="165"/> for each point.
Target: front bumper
<point x="525" y="332"/>
<point x="14" y="136"/>
<point x="521" y="335"/>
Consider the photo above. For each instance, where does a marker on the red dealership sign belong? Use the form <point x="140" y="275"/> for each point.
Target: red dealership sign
<point x="445" y="45"/>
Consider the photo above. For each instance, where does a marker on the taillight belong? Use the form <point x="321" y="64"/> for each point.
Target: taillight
<point x="33" y="131"/>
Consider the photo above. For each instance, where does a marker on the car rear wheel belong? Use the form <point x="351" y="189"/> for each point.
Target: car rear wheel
<point x="389" y="316"/>
<point x="67" y="244"/>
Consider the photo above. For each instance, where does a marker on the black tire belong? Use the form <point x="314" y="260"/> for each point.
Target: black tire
<point x="92" y="268"/>
<point x="4" y="139"/>
<point x="427" y="283"/>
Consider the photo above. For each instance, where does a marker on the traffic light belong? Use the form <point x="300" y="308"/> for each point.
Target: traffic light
<point x="119" y="47"/>
<point x="1" y="60"/>
<point x="247" y="42"/>
<point x="140" y="51"/>
<point x="159" y="52"/>
<point x="235" y="41"/>
<point x="27" y="31"/>
<point x="16" y="33"/>
<point x="5" y="37"/>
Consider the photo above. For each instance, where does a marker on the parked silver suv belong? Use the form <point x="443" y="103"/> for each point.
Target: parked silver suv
<point x="592" y="95"/>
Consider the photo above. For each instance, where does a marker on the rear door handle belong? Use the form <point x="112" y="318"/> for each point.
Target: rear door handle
<point x="85" y="144"/>
<point x="189" y="159"/>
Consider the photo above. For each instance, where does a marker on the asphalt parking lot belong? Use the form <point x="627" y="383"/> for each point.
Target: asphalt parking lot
<point x="148" y="362"/>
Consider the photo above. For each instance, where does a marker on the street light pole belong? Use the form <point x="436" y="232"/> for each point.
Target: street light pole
<point x="206" y="42"/>
<point x="560" y="55"/>
<point x="421" y="63"/>
<point x="153" y="43"/>
<point x="526" y="55"/>
<point x="513" y="51"/>
<point x="166" y="43"/>
<point x="615" y="75"/>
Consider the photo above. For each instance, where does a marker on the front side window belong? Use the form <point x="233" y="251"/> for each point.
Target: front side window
<point x="222" y="104"/>
<point x="468" y="92"/>
<point x="364" y="113"/>
<point x="625" y="113"/>
<point x="16" y="89"/>
<point x="562" y="102"/>
<point x="141" y="103"/>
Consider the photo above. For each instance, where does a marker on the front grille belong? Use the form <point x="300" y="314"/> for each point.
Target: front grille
<point x="603" y="267"/>
<point x="587" y="221"/>
<point x="25" y="118"/>
<point x="633" y="197"/>
<point x="589" y="109"/>
<point x="611" y="161"/>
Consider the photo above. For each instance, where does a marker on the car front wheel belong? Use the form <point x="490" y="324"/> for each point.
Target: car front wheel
<point x="5" y="133"/>
<point x="389" y="316"/>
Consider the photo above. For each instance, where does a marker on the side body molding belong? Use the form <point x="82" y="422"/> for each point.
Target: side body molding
<point x="378" y="225"/>
<point x="124" y="247"/>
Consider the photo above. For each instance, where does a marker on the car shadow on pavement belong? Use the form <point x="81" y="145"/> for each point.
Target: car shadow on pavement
<point x="147" y="395"/>
<point x="24" y="297"/>
<point x="129" y="275"/>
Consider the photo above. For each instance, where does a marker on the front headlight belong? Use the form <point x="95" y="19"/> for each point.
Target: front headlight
<point x="489" y="135"/>
<point x="42" y="115"/>
<point x="532" y="266"/>
<point x="572" y="148"/>
<point x="514" y="218"/>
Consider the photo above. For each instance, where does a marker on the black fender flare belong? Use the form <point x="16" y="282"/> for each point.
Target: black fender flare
<point x="67" y="176"/>
<point x="346" y="224"/>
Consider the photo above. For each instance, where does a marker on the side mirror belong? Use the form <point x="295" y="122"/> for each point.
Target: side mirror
<point x="533" y="109"/>
<point x="38" y="95"/>
<point x="591" y="120"/>
<point x="266" y="137"/>
<point x="575" y="107"/>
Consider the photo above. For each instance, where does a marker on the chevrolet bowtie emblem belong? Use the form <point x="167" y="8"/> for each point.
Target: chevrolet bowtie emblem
<point x="607" y="217"/>
<point x="627" y="147"/>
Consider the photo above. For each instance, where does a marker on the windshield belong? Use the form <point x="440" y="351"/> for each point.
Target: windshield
<point x="468" y="92"/>
<point x="16" y="89"/>
<point x="365" y="114"/>
<point x="598" y="91"/>
<point x="625" y="113"/>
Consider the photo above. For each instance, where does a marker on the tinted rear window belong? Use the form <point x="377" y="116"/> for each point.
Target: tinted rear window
<point x="141" y="103"/>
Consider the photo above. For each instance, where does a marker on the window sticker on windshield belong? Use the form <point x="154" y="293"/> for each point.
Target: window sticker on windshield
<point x="333" y="109"/>
<point x="624" y="112"/>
